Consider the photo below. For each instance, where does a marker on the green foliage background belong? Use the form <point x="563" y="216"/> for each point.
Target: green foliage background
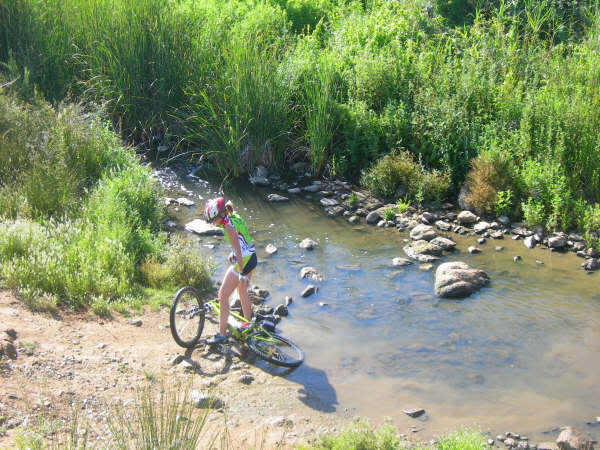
<point x="339" y="83"/>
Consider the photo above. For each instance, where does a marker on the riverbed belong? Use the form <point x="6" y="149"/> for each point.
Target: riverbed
<point x="521" y="355"/>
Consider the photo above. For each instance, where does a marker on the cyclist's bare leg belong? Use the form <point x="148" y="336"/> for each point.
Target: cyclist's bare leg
<point x="244" y="299"/>
<point x="230" y="282"/>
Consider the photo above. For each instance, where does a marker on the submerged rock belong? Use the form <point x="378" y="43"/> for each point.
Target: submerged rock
<point x="458" y="279"/>
<point x="399" y="262"/>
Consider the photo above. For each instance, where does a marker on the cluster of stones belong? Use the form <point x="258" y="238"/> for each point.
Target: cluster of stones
<point x="568" y="439"/>
<point x="338" y="199"/>
<point x="257" y="297"/>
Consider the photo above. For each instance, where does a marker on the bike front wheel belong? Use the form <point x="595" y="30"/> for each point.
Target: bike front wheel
<point x="276" y="349"/>
<point x="187" y="317"/>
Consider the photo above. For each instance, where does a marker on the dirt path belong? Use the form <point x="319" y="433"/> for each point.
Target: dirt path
<point x="82" y="360"/>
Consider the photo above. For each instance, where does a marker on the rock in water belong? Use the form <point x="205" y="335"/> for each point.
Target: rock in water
<point x="457" y="279"/>
<point x="203" y="228"/>
<point x="310" y="273"/>
<point x="422" y="233"/>
<point x="423" y="251"/>
<point x="310" y="290"/>
<point x="276" y="198"/>
<point x="308" y="244"/>
<point x="572" y="439"/>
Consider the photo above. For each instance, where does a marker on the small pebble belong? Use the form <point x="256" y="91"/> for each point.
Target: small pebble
<point x="517" y="258"/>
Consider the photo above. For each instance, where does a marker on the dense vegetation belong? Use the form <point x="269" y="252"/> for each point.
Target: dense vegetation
<point x="504" y="95"/>
<point x="80" y="216"/>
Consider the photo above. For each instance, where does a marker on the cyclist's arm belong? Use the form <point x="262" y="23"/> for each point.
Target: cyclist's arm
<point x="235" y="244"/>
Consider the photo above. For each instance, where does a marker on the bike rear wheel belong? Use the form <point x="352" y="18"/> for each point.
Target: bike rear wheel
<point x="276" y="349"/>
<point x="187" y="317"/>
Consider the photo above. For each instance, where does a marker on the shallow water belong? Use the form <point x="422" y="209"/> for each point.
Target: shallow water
<point x="521" y="355"/>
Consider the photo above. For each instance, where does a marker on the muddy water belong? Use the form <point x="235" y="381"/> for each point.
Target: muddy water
<point x="521" y="355"/>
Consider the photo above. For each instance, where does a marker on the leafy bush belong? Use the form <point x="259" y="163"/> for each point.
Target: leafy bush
<point x="504" y="203"/>
<point x="179" y="265"/>
<point x="547" y="193"/>
<point x="393" y="171"/>
<point x="399" y="174"/>
<point x="490" y="174"/>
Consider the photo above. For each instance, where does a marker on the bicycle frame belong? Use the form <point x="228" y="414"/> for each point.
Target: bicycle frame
<point x="240" y="335"/>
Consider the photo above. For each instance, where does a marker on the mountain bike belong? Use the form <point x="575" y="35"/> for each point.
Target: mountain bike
<point x="189" y="311"/>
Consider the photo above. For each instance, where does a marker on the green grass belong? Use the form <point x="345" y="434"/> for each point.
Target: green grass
<point x="361" y="435"/>
<point x="85" y="213"/>
<point x="340" y="84"/>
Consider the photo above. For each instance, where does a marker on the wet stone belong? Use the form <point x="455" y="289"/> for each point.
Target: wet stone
<point x="308" y="244"/>
<point x="414" y="412"/>
<point x="309" y="290"/>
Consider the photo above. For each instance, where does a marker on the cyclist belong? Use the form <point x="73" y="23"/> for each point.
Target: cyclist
<point x="242" y="259"/>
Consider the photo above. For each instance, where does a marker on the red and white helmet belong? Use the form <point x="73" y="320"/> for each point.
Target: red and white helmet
<point x="213" y="208"/>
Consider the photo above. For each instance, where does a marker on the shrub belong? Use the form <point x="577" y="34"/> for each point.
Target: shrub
<point x="179" y="265"/>
<point x="547" y="194"/>
<point x="533" y="212"/>
<point x="393" y="171"/>
<point x="399" y="174"/>
<point x="504" y="203"/>
<point x="159" y="418"/>
<point x="490" y="174"/>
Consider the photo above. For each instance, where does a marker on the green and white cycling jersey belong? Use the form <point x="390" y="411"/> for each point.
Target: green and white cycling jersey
<point x="246" y="245"/>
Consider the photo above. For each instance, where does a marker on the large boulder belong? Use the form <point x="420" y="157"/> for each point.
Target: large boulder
<point x="457" y="279"/>
<point x="572" y="439"/>
<point x="422" y="233"/>
<point x="423" y="251"/>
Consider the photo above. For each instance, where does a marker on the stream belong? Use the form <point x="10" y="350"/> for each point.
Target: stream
<point x="521" y="355"/>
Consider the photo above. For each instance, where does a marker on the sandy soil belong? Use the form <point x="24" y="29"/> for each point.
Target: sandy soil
<point x="92" y="364"/>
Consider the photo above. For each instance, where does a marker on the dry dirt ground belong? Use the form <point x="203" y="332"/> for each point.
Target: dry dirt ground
<point x="83" y="363"/>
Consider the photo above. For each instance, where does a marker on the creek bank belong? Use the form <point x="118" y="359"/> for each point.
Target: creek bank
<point x="340" y="198"/>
